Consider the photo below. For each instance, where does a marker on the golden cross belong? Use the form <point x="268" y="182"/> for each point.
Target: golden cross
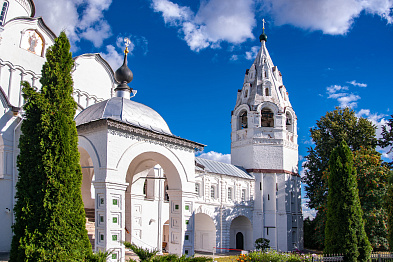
<point x="127" y="42"/>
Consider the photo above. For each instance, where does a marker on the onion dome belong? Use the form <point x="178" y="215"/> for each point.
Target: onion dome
<point x="263" y="37"/>
<point x="123" y="75"/>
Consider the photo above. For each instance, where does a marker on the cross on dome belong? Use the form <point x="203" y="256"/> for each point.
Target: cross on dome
<point x="127" y="42"/>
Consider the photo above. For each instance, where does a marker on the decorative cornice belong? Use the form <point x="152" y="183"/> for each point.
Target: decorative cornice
<point x="272" y="171"/>
<point x="141" y="134"/>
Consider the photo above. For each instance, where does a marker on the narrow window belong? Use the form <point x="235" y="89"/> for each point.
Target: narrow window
<point x="212" y="193"/>
<point x="268" y="197"/>
<point x="243" y="120"/>
<point x="289" y="122"/>
<point x="267" y="231"/>
<point x="3" y="12"/>
<point x="229" y="193"/>
<point x="243" y="195"/>
<point x="245" y="93"/>
<point x="260" y="185"/>
<point x="197" y="189"/>
<point x="145" y="187"/>
<point x="166" y="196"/>
<point x="266" y="91"/>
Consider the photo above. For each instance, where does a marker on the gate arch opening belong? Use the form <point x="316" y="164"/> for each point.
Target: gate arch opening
<point x="205" y="233"/>
<point x="241" y="233"/>
<point x="150" y="215"/>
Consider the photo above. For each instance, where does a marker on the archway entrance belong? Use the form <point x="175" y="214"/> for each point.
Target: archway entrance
<point x="205" y="233"/>
<point x="241" y="233"/>
<point x="88" y="193"/>
<point x="154" y="205"/>
<point x="239" y="240"/>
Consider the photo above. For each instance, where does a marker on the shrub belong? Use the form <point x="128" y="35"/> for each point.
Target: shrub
<point x="262" y="244"/>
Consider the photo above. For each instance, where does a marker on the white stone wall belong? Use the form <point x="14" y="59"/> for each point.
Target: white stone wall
<point x="223" y="210"/>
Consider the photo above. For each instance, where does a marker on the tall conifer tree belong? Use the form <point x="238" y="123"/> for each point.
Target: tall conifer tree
<point x="344" y="232"/>
<point x="49" y="215"/>
<point x="389" y="208"/>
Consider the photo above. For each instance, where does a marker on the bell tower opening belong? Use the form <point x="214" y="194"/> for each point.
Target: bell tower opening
<point x="267" y="118"/>
<point x="243" y="121"/>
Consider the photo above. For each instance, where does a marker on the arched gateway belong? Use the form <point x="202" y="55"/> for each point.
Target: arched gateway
<point x="132" y="154"/>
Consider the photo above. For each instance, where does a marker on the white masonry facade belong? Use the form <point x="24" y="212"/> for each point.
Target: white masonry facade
<point x="142" y="183"/>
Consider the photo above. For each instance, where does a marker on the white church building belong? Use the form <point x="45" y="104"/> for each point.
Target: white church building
<point x="142" y="183"/>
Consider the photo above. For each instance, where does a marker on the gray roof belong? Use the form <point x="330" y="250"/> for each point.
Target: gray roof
<point x="216" y="167"/>
<point x="124" y="110"/>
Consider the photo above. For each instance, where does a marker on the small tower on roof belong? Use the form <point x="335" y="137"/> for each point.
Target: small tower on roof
<point x="264" y="142"/>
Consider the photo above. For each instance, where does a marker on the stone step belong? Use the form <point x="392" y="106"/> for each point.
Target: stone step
<point x="90" y="225"/>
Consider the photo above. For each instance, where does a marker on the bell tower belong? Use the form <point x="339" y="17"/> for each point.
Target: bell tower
<point x="264" y="142"/>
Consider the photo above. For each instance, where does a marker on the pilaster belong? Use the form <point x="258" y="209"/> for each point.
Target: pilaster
<point x="110" y="218"/>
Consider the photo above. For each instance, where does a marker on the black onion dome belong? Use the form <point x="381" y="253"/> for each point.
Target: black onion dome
<point x="263" y="37"/>
<point x="124" y="75"/>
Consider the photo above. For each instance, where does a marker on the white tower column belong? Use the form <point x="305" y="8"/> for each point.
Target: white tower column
<point x="110" y="218"/>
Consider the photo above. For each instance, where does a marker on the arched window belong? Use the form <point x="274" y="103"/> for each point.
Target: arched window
<point x="267" y="118"/>
<point x="243" y="121"/>
<point x="289" y="122"/>
<point x="3" y="12"/>
<point x="267" y="92"/>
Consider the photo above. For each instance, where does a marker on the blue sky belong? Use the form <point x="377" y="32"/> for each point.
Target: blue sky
<point x="189" y="57"/>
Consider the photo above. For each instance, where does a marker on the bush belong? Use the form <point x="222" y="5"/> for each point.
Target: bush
<point x="274" y="256"/>
<point x="262" y="244"/>
<point x="147" y="255"/>
<point x="144" y="254"/>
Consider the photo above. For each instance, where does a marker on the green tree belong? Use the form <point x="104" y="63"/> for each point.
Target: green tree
<point x="359" y="134"/>
<point x="49" y="214"/>
<point x="387" y="137"/>
<point x="344" y="232"/>
<point x="330" y="130"/>
<point x="372" y="178"/>
<point x="389" y="208"/>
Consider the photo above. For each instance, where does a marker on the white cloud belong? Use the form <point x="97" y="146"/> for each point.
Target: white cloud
<point x="113" y="57"/>
<point x="225" y="158"/>
<point x="345" y="99"/>
<point x="234" y="58"/>
<point x="250" y="55"/>
<point x="308" y="212"/>
<point x="354" y="83"/>
<point x="377" y="119"/>
<point x="81" y="19"/>
<point x="348" y="100"/>
<point x="114" y="54"/>
<point x="216" y="21"/>
<point x="333" y="17"/>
